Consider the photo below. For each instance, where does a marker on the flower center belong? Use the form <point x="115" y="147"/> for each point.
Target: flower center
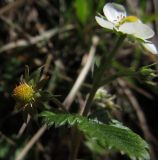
<point x="127" y="19"/>
<point x="24" y="93"/>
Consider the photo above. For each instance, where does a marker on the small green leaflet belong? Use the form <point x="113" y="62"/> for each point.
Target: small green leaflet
<point x="107" y="136"/>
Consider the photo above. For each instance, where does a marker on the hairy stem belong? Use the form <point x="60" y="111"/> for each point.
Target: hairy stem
<point x="105" y="64"/>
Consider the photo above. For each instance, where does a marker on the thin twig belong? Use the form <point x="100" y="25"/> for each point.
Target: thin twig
<point x="96" y="84"/>
<point x="46" y="66"/>
<point x="104" y="64"/>
<point x="36" y="136"/>
<point x="60" y="105"/>
<point x="9" y="140"/>
<point x="12" y="6"/>
<point x="68" y="79"/>
<point x="80" y="79"/>
<point x="137" y="108"/>
<point x="32" y="141"/>
<point x="77" y="136"/>
<point x="141" y="117"/>
<point x="23" y="127"/>
<point x="16" y="27"/>
<point x="139" y="90"/>
<point x="43" y="37"/>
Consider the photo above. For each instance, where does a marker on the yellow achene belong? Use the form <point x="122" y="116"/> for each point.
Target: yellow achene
<point x="23" y="93"/>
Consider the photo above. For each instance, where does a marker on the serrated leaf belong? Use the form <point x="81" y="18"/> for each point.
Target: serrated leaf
<point x="106" y="136"/>
<point x="94" y="147"/>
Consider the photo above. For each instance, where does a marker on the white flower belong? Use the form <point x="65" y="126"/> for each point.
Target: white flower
<point x="117" y="19"/>
<point x="150" y="47"/>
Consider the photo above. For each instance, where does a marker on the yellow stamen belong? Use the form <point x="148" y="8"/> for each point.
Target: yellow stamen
<point x="128" y="19"/>
<point x="24" y="93"/>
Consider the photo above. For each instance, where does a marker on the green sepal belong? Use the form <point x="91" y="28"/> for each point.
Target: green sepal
<point x="26" y="73"/>
<point x="34" y="78"/>
<point x="41" y="83"/>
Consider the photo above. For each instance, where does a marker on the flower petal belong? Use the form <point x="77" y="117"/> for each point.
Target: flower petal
<point x="137" y="29"/>
<point x="104" y="23"/>
<point x="150" y="47"/>
<point x="114" y="12"/>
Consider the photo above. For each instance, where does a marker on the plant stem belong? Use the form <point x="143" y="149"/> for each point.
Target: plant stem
<point x="105" y="63"/>
<point x="76" y="138"/>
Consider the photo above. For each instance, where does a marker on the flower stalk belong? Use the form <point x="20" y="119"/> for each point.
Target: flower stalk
<point x="105" y="64"/>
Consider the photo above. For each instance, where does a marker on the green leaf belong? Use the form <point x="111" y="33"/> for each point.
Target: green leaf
<point x="107" y="136"/>
<point x="4" y="148"/>
<point x="94" y="147"/>
<point x="83" y="9"/>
